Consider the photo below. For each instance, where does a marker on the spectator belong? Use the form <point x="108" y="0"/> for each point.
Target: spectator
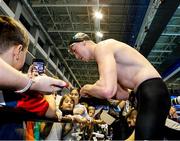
<point x="14" y="44"/>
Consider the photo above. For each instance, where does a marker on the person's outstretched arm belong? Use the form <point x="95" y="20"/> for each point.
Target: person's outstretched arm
<point x="48" y="84"/>
<point x="11" y="78"/>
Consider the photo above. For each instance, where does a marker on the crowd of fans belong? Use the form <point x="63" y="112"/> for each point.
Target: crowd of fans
<point x="67" y="118"/>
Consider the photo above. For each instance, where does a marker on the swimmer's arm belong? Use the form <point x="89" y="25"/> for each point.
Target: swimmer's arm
<point x="106" y="86"/>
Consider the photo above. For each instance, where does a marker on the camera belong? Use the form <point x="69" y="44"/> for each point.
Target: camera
<point x="38" y="65"/>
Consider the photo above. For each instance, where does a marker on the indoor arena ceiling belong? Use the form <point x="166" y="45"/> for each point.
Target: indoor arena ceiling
<point x="150" y="26"/>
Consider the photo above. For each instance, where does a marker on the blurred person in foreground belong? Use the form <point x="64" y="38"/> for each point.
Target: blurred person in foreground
<point x="13" y="48"/>
<point x="14" y="43"/>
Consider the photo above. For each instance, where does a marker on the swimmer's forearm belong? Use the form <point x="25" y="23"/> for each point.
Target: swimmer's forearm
<point x="95" y="91"/>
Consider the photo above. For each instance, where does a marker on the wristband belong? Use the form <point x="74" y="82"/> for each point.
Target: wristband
<point x="29" y="84"/>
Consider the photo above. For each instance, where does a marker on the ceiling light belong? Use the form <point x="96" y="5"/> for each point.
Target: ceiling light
<point x="99" y="34"/>
<point x="98" y="15"/>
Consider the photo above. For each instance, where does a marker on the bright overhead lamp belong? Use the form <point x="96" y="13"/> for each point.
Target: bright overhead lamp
<point x="98" y="15"/>
<point x="99" y="34"/>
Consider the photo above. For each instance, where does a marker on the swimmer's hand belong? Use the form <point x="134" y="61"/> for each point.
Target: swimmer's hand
<point x="83" y="92"/>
